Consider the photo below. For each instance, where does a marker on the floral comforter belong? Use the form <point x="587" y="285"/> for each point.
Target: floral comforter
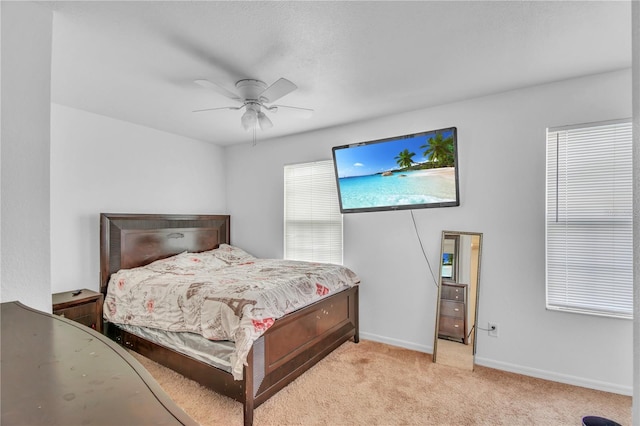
<point x="222" y="294"/>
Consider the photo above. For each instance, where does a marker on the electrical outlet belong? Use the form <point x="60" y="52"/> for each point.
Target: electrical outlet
<point x="493" y="329"/>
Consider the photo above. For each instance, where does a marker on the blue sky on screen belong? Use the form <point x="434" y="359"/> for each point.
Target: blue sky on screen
<point x="379" y="156"/>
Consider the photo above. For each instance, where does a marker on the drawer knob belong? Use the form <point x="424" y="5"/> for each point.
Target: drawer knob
<point x="457" y="309"/>
<point x="456" y="325"/>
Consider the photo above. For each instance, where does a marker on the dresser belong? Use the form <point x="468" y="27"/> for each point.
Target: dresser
<point x="453" y="312"/>
<point x="59" y="372"/>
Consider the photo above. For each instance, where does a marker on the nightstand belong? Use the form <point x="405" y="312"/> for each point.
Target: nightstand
<point x="85" y="307"/>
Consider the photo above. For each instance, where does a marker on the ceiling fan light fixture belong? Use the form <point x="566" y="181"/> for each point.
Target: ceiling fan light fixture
<point x="264" y="121"/>
<point x="249" y="119"/>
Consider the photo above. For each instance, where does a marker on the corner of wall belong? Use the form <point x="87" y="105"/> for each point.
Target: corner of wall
<point x="26" y="100"/>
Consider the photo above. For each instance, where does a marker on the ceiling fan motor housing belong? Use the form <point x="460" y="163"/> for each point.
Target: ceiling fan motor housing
<point x="250" y="89"/>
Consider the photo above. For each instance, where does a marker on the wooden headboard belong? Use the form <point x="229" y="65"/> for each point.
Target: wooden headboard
<point x="130" y="240"/>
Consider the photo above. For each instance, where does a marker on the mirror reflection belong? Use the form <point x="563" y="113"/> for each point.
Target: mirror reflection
<point x="456" y="317"/>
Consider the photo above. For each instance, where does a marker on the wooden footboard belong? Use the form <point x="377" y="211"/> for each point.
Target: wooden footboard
<point x="290" y="347"/>
<point x="299" y="340"/>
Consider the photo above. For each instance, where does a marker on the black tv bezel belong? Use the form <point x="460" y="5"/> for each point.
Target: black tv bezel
<point x="454" y="203"/>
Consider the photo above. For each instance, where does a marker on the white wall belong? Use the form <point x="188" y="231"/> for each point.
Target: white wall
<point x="103" y="165"/>
<point x="24" y="199"/>
<point x="501" y="140"/>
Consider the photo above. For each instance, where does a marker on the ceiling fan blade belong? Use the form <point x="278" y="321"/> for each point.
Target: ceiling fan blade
<point x="277" y="90"/>
<point x="213" y="109"/>
<point x="297" y="111"/>
<point x="217" y="88"/>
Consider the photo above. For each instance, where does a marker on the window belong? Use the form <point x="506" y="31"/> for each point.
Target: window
<point x="589" y="221"/>
<point x="312" y="218"/>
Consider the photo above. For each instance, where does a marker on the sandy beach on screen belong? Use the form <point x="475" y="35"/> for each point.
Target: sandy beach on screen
<point x="444" y="171"/>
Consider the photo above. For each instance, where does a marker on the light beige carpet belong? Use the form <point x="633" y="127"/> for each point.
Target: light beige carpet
<point x="376" y="384"/>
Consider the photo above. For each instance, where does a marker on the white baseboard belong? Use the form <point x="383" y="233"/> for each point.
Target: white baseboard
<point x="556" y="377"/>
<point x="397" y="342"/>
<point x="512" y="368"/>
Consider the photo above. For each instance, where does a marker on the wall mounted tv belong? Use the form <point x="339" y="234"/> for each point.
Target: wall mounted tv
<point x="413" y="171"/>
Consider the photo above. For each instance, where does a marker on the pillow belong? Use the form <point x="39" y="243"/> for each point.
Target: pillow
<point x="202" y="260"/>
<point x="231" y="255"/>
<point x="186" y="263"/>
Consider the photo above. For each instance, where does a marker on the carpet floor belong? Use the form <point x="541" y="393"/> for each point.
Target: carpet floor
<point x="372" y="383"/>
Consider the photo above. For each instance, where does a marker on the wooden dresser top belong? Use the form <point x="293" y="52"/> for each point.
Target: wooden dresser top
<point x="58" y="372"/>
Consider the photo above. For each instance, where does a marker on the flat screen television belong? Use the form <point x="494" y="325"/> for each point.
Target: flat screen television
<point x="413" y="171"/>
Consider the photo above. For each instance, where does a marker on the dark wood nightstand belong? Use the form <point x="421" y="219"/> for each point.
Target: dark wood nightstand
<point x="85" y="307"/>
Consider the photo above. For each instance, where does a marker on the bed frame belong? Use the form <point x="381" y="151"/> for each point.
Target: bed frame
<point x="291" y="346"/>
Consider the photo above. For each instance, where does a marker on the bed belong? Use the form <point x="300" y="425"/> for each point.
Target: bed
<point x="290" y="345"/>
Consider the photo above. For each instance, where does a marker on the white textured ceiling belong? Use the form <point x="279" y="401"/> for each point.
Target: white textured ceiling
<point x="136" y="61"/>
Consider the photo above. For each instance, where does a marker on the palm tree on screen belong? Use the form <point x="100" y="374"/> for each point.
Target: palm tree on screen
<point x="439" y="150"/>
<point x="405" y="158"/>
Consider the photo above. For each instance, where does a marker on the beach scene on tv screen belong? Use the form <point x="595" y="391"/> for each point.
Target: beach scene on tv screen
<point x="405" y="171"/>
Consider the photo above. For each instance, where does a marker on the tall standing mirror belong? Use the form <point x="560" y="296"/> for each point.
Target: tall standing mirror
<point x="457" y="310"/>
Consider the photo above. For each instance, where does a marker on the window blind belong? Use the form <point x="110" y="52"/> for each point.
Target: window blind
<point x="312" y="218"/>
<point x="589" y="223"/>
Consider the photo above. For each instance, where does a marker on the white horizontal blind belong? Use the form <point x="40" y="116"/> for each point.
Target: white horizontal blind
<point x="312" y="218"/>
<point x="589" y="219"/>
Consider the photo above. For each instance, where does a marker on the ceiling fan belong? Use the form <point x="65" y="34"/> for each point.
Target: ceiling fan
<point x="253" y="96"/>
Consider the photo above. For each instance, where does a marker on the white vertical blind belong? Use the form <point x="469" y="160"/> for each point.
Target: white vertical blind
<point x="312" y="218"/>
<point x="589" y="219"/>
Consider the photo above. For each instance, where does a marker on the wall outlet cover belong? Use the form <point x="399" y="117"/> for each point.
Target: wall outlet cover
<point x="493" y="329"/>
